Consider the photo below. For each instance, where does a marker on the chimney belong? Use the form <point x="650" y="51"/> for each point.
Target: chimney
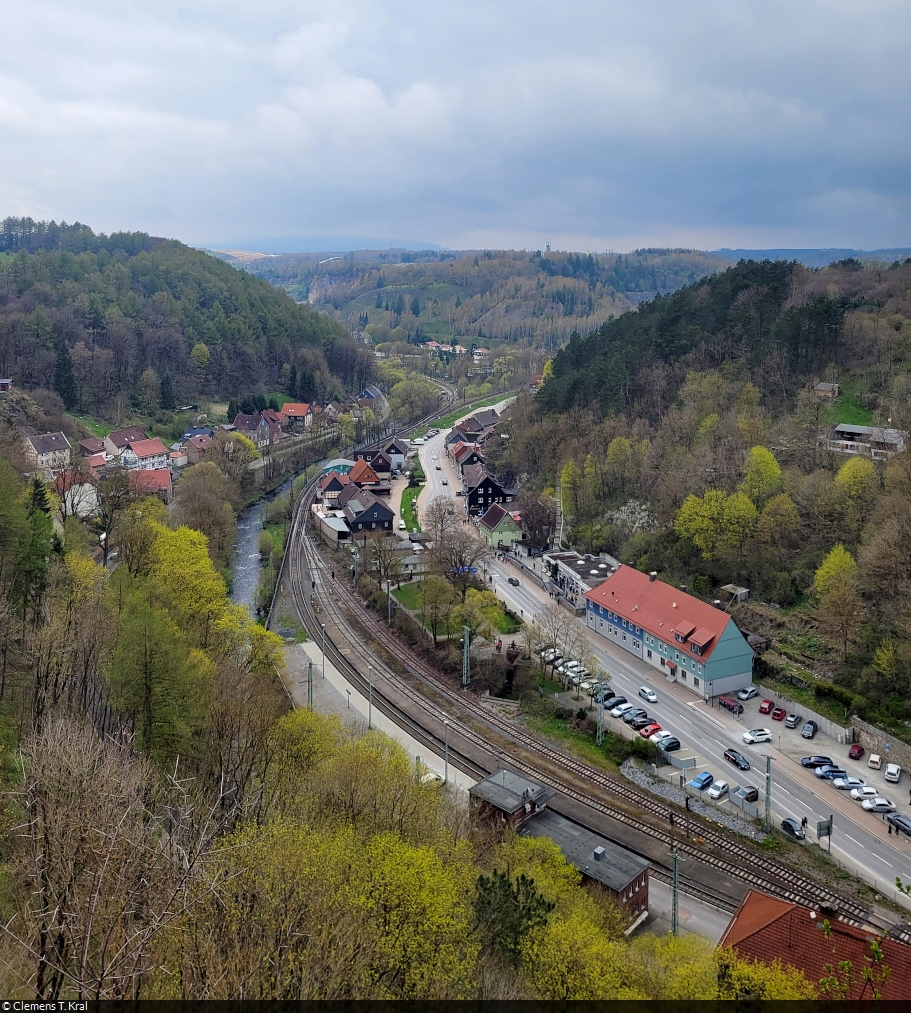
<point x="653" y="576"/>
<point x="599" y="854"/>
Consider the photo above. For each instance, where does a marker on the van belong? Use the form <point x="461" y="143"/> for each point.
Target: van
<point x="403" y="526"/>
<point x="875" y="761"/>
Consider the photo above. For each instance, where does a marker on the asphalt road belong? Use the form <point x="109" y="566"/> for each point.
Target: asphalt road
<point x="860" y="840"/>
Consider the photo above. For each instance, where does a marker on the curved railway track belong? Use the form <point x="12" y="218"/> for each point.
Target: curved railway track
<point x="398" y="694"/>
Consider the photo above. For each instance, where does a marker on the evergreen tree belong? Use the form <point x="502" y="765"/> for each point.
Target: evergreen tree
<point x="168" y="402"/>
<point x="233" y="409"/>
<point x="506" y="913"/>
<point x="292" y="380"/>
<point x="64" y="382"/>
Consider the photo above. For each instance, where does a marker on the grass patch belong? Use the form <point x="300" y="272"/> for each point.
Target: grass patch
<point x="577" y="743"/>
<point x="408" y="595"/>
<point x="550" y="686"/>
<point x="98" y="429"/>
<point x="448" y="421"/>
<point x="409" y="511"/>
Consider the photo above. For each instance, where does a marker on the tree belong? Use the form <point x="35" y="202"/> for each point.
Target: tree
<point x="837" y="569"/>
<point x="203" y="501"/>
<point x="440" y="519"/>
<point x="778" y="526"/>
<point x="763" y="475"/>
<point x="383" y="558"/>
<point x="135" y="532"/>
<point x="701" y="519"/>
<point x="149" y="388"/>
<point x="64" y="382"/>
<point x="458" y="556"/>
<point x="113" y="496"/>
<point x="505" y="912"/>
<point x="167" y="398"/>
<point x="437" y="598"/>
<point x="411" y="398"/>
<point x="233" y="453"/>
<point x="482" y="612"/>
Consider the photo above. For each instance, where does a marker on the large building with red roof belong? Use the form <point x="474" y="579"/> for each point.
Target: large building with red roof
<point x="685" y="639"/>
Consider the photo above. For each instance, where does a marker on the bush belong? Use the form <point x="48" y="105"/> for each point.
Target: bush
<point x="265" y="545"/>
<point x="618" y="749"/>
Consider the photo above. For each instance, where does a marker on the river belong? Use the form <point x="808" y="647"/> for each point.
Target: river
<point x="247" y="565"/>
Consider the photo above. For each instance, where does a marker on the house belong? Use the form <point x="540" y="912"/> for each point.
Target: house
<point x="297" y="415"/>
<point x="482" y="489"/>
<point x="463" y="454"/>
<point x="381" y="464"/>
<point x="275" y="421"/>
<point x="363" y="475"/>
<point x="198" y="431"/>
<point x="95" y="464"/>
<point x="152" y="482"/>
<point x="455" y="436"/>
<point x="334" y="530"/>
<point x="197" y="447"/>
<point x="871" y="441"/>
<point x="178" y="459"/>
<point x="687" y="640"/>
<point x="115" y="443"/>
<point x="255" y="428"/>
<point x="331" y="486"/>
<point x="364" y="512"/>
<point x="6" y="385"/>
<point x="826" y="389"/>
<point x="340" y="464"/>
<point x="507" y="799"/>
<point x="333" y="410"/>
<point x="499" y="528"/>
<point x="91" y="447"/>
<point x="621" y="874"/>
<point x="765" y="928"/>
<point x="569" y="575"/>
<point x="49" y="451"/>
<point x="146" y="454"/>
<point x="78" y="496"/>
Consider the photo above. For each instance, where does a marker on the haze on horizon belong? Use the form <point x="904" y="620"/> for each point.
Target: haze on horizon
<point x="469" y="125"/>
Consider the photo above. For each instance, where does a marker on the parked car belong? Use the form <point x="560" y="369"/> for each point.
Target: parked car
<point x="717" y="790"/>
<point x="793" y="720"/>
<point x="899" y="823"/>
<point x="757" y="735"/>
<point x="815" y="761"/>
<point x="614" y="701"/>
<point x="587" y="686"/>
<point x="878" y="805"/>
<point x="748" y="693"/>
<point x="650" y="729"/>
<point x="875" y="761"/>
<point x="862" y="794"/>
<point x="828" y="772"/>
<point x="637" y="724"/>
<point x="620" y="709"/>
<point x="892" y="773"/>
<point x="779" y="714"/>
<point x="513" y="580"/>
<point x="603" y="694"/>
<point x="670" y="745"/>
<point x="809" y="729"/>
<point x="856" y="751"/>
<point x="766" y="706"/>
<point x="445" y="481"/>
<point x="848" y="783"/>
<point x="701" y="781"/>
<point x="738" y="759"/>
<point x="793" y="829"/>
<point x="633" y="713"/>
<point x="648" y="694"/>
<point x="748" y="793"/>
<point x="659" y="737"/>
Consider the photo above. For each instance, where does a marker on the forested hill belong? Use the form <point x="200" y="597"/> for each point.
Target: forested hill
<point x="781" y="321"/>
<point x="537" y="299"/>
<point x="120" y="305"/>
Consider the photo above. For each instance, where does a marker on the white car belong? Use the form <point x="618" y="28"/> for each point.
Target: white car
<point x="717" y="790"/>
<point x="621" y="709"/>
<point x="659" y="737"/>
<point x="892" y="773"/>
<point x="748" y="693"/>
<point x="862" y="794"/>
<point x="648" y="694"/>
<point x="757" y="735"/>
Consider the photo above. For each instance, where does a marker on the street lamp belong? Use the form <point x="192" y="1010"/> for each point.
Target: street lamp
<point x="323" y="628"/>
<point x="369" y="696"/>
<point x="348" y="691"/>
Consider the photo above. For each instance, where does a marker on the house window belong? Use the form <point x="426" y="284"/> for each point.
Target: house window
<point x="649" y="653"/>
<point x="624" y="638"/>
<point x="373" y="525"/>
<point x="683" y="676"/>
<point x="700" y="669"/>
<point x="601" y="621"/>
<point x="676" y="655"/>
<point x="695" y="681"/>
<point x="695" y="649"/>
<point x="663" y="662"/>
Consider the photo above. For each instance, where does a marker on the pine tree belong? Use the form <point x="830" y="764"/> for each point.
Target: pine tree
<point x="64" y="382"/>
<point x="233" y="409"/>
<point x="292" y="380"/>
<point x="168" y="402"/>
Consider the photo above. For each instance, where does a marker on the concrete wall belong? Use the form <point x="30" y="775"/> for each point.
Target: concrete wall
<point x="837" y="731"/>
<point x="874" y="740"/>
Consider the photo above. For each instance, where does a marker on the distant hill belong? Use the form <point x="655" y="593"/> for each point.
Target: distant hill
<point x="816" y="258"/>
<point x="538" y="299"/>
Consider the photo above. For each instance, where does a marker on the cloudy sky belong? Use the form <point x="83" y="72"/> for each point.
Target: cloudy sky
<point x="465" y="123"/>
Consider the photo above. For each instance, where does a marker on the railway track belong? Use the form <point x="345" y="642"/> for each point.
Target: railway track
<point x="439" y="704"/>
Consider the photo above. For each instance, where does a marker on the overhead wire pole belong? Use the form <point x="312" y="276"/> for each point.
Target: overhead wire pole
<point x="768" y="794"/>
<point x="466" y="669"/>
<point x="599" y="731"/>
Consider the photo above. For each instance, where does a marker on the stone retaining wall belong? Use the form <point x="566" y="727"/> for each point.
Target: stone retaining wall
<point x="832" y="728"/>
<point x="875" y="740"/>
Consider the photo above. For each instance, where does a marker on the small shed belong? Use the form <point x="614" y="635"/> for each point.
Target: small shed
<point x="737" y="593"/>
<point x="506" y="798"/>
<point x="827" y="389"/>
<point x="6" y="386"/>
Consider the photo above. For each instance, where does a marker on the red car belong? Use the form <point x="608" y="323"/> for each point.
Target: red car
<point x="650" y="730"/>
<point x="766" y="706"/>
<point x="778" y="714"/>
<point x="856" y="751"/>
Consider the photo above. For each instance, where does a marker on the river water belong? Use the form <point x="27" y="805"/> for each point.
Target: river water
<point x="247" y="565"/>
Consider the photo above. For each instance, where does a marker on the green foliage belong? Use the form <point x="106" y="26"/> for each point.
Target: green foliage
<point x="506" y="911"/>
<point x="837" y="569"/>
<point x="763" y="475"/>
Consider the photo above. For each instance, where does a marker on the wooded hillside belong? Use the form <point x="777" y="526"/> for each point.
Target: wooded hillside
<point x="92" y="313"/>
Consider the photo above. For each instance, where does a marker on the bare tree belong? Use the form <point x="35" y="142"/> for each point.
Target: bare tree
<point x="440" y="518"/>
<point x="113" y="496"/>
<point x="458" y="556"/>
<point x="383" y="557"/>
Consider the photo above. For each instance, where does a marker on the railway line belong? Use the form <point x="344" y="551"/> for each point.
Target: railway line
<point x="418" y="699"/>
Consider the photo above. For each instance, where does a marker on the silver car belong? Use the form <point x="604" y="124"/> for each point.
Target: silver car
<point x="878" y="805"/>
<point x="848" y="783"/>
<point x="621" y="709"/>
